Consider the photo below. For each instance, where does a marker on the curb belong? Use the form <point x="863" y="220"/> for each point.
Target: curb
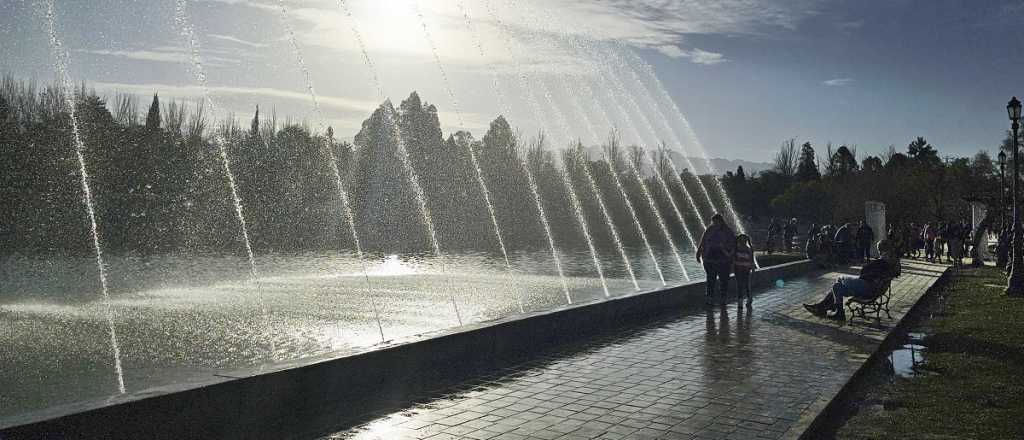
<point x="827" y="409"/>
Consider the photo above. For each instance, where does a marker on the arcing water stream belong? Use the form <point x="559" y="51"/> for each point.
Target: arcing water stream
<point x="403" y="154"/>
<point x="503" y="102"/>
<point x="60" y="56"/>
<point x="346" y="207"/>
<point x="472" y="155"/>
<point x="199" y="74"/>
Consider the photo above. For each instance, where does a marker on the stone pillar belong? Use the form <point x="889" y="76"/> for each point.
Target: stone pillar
<point x="874" y="216"/>
<point x="978" y="212"/>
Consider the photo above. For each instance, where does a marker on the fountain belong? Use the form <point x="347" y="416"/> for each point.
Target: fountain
<point x="349" y="243"/>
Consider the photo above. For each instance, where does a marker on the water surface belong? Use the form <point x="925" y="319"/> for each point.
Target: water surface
<point x="184" y="317"/>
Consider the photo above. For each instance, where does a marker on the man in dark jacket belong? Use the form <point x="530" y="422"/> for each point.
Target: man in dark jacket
<point x="865" y="236"/>
<point x="874" y="276"/>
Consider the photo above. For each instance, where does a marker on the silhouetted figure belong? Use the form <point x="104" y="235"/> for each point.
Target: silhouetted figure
<point x="715" y="252"/>
<point x="1003" y="248"/>
<point x="774" y="232"/>
<point x="843" y="243"/>
<point x="955" y="244"/>
<point x="788" y="234"/>
<point x="865" y="236"/>
<point x="929" y="234"/>
<point x="874" y="276"/>
<point x="742" y="265"/>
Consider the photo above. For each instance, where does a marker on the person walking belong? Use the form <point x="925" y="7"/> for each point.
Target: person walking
<point x="963" y="242"/>
<point x="774" y="230"/>
<point x="742" y="265"/>
<point x="955" y="244"/>
<point x="929" y="242"/>
<point x="916" y="242"/>
<point x="896" y="238"/>
<point x="865" y="236"/>
<point x="1003" y="249"/>
<point x="715" y="253"/>
<point x="843" y="243"/>
<point x="789" y="233"/>
<point x="907" y="239"/>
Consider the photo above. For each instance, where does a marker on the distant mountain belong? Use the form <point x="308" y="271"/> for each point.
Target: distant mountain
<point x="722" y="165"/>
<point x="719" y="165"/>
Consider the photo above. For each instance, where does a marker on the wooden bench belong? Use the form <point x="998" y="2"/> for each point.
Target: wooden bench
<point x="875" y="304"/>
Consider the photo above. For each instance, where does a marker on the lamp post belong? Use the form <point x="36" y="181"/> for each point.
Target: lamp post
<point x="1015" y="282"/>
<point x="1002" y="191"/>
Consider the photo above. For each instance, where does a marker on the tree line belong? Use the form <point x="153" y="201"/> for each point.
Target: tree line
<point x="917" y="185"/>
<point x="159" y="181"/>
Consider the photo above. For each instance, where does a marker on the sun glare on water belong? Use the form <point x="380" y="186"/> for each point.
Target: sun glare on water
<point x="392" y="266"/>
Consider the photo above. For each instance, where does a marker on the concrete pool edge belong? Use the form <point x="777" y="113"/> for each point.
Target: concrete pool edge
<point x="822" y="414"/>
<point x="283" y="399"/>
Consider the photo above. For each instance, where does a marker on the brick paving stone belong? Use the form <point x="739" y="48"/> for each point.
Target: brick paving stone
<point x="719" y="373"/>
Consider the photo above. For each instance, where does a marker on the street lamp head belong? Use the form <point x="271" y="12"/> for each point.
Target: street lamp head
<point x="1013" y="109"/>
<point x="1002" y="158"/>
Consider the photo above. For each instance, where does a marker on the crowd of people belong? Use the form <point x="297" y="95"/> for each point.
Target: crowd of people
<point x="781" y="236"/>
<point x="838" y="244"/>
<point x="723" y="253"/>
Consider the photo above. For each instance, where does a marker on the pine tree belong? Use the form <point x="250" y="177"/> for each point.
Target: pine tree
<point x="5" y="110"/>
<point x="923" y="152"/>
<point x="843" y="162"/>
<point x="807" y="168"/>
<point x="254" y="128"/>
<point x="153" y="118"/>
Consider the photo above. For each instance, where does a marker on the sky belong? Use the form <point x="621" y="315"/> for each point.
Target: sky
<point x="745" y="75"/>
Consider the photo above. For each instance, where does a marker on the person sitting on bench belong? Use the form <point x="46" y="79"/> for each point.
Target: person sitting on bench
<point x="874" y="277"/>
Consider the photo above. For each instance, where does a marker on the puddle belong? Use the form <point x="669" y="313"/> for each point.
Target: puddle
<point x="906" y="360"/>
<point x="916" y="337"/>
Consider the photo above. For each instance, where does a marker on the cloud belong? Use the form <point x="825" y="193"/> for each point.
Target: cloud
<point x="161" y="54"/>
<point x="345" y="114"/>
<point x="236" y="40"/>
<point x="534" y="38"/>
<point x="141" y="55"/>
<point x="851" y="25"/>
<point x="657" y="22"/>
<point x="190" y="91"/>
<point x="838" y="82"/>
<point x="250" y="3"/>
<point x="695" y="55"/>
<point x="700" y="56"/>
<point x="532" y="25"/>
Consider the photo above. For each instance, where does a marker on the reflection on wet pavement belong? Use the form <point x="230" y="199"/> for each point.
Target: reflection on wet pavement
<point x="722" y="372"/>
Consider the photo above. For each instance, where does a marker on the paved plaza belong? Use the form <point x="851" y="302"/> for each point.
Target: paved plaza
<point x="762" y="372"/>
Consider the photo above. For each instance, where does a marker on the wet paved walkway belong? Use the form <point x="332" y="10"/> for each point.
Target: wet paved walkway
<point x="725" y="373"/>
